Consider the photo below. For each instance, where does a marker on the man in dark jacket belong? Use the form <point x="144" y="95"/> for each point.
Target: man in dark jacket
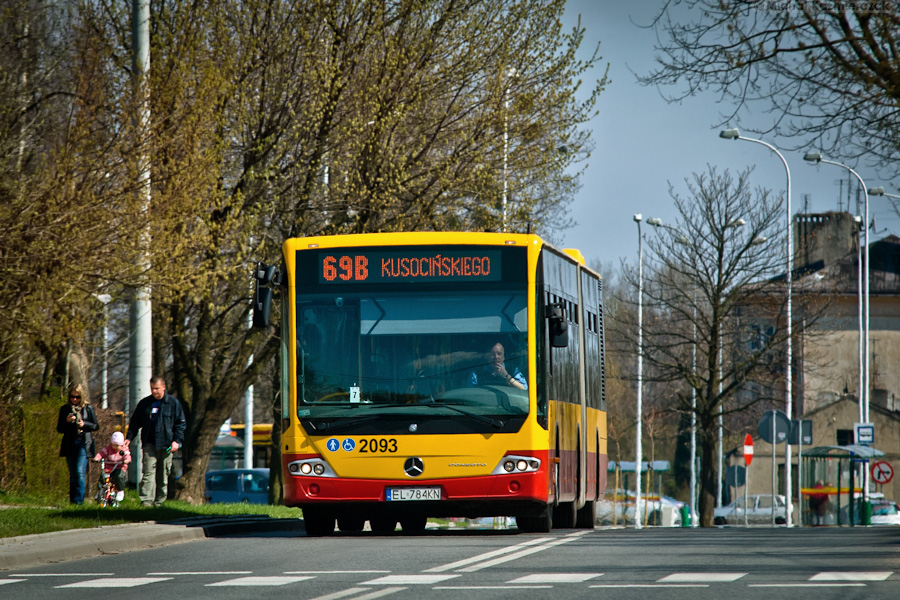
<point x="160" y="418"/>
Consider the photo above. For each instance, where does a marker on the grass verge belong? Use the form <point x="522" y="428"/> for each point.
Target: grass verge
<point x="28" y="515"/>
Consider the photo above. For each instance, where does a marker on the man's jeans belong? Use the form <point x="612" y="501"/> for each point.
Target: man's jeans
<point x="156" y="465"/>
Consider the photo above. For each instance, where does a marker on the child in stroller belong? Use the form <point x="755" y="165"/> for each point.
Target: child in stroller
<point x="113" y="459"/>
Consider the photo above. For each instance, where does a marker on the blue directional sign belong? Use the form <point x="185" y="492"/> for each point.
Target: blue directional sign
<point x="349" y="445"/>
<point x="333" y="444"/>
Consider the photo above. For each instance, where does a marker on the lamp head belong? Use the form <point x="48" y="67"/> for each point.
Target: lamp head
<point x="876" y="191"/>
<point x="737" y="223"/>
<point x="654" y="221"/>
<point x="638" y="217"/>
<point x="760" y="239"/>
<point x="813" y="157"/>
<point x="730" y="134"/>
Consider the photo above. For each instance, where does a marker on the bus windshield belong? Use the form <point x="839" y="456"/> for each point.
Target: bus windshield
<point x="393" y="352"/>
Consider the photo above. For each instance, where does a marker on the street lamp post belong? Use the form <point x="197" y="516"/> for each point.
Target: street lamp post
<point x="735" y="134"/>
<point x="104" y="299"/>
<point x="815" y="158"/>
<point x="638" y="458"/>
<point x="510" y="73"/>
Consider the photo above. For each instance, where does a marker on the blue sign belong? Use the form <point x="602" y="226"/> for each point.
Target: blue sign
<point x="349" y="445"/>
<point x="333" y="444"/>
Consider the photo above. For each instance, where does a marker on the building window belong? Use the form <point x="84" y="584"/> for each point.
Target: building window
<point x="844" y="437"/>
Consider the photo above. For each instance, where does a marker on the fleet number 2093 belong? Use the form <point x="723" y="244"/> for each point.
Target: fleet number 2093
<point x="374" y="445"/>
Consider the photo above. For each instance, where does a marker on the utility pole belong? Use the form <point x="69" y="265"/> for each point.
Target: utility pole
<point x="140" y="347"/>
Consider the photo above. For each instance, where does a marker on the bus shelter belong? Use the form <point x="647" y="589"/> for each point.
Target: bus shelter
<point x="832" y="482"/>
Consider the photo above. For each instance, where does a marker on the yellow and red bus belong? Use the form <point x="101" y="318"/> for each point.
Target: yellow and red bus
<point x="439" y="374"/>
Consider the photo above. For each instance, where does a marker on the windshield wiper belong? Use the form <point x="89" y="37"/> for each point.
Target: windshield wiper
<point x="495" y="423"/>
<point x="321" y="425"/>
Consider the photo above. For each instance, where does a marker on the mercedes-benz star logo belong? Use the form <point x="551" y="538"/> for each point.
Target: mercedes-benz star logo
<point x="413" y="466"/>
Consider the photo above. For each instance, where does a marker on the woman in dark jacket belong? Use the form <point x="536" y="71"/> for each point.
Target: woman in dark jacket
<point x="76" y="422"/>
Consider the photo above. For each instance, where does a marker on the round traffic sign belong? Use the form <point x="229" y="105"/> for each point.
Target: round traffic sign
<point x="774" y="427"/>
<point x="748" y="449"/>
<point x="882" y="472"/>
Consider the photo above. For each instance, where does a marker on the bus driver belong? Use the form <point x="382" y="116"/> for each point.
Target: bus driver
<point x="494" y="372"/>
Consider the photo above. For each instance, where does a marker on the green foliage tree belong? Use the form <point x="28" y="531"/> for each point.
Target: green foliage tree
<point x="273" y="118"/>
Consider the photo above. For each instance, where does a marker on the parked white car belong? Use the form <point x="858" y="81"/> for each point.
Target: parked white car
<point x="658" y="510"/>
<point x="758" y="511"/>
<point x="885" y="512"/>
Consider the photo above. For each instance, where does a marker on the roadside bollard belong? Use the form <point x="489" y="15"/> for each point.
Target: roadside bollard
<point x="685" y="515"/>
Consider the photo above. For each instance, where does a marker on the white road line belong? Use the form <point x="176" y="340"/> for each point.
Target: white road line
<point x="353" y="591"/>
<point x="821" y="585"/>
<point x="485" y="556"/>
<point x="408" y="580"/>
<point x="517" y="555"/>
<point x="555" y="578"/>
<point x="202" y="573"/>
<point x="61" y="574"/>
<point x="258" y="581"/>
<point x="492" y="587"/>
<point x="700" y="577"/>
<point x="851" y="576"/>
<point x="333" y="572"/>
<point x="115" y="582"/>
<point x="340" y="594"/>
<point x="650" y="585"/>
<point x="5" y="581"/>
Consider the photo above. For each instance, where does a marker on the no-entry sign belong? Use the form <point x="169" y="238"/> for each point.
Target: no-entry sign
<point x="748" y="449"/>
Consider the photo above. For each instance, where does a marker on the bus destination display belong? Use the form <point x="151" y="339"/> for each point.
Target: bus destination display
<point x="419" y="265"/>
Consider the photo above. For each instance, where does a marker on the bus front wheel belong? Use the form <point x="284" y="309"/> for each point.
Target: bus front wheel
<point x="318" y="522"/>
<point x="541" y="523"/>
<point x="383" y="524"/>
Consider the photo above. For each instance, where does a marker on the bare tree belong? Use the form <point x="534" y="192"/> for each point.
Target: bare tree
<point x="710" y="281"/>
<point x="825" y="70"/>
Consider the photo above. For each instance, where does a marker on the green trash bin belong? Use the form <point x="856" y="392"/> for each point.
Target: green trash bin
<point x="866" y="513"/>
<point x="686" y="515"/>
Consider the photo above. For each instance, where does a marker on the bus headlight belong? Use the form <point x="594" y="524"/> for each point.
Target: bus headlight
<point x="517" y="464"/>
<point x="315" y="467"/>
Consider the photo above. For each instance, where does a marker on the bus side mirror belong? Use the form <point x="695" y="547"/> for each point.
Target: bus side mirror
<point x="559" y="329"/>
<point x="262" y="306"/>
<point x="265" y="275"/>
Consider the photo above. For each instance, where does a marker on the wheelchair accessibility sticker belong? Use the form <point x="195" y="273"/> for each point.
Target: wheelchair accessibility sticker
<point x="334" y="444"/>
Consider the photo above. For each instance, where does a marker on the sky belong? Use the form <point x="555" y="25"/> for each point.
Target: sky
<point x="642" y="144"/>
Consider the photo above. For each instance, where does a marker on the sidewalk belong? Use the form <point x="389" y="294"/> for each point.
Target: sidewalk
<point x="32" y="550"/>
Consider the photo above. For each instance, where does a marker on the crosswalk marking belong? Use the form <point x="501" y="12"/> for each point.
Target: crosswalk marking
<point x="114" y="582"/>
<point x="650" y="585"/>
<point x="851" y="576"/>
<point x="519" y="554"/>
<point x="352" y="591"/>
<point x="408" y="580"/>
<point x="203" y="573"/>
<point x="62" y="574"/>
<point x="474" y="559"/>
<point x="492" y="587"/>
<point x="555" y="578"/>
<point x="5" y="581"/>
<point x="341" y="594"/>
<point x="257" y="581"/>
<point x="363" y="571"/>
<point x="820" y="585"/>
<point x="700" y="577"/>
